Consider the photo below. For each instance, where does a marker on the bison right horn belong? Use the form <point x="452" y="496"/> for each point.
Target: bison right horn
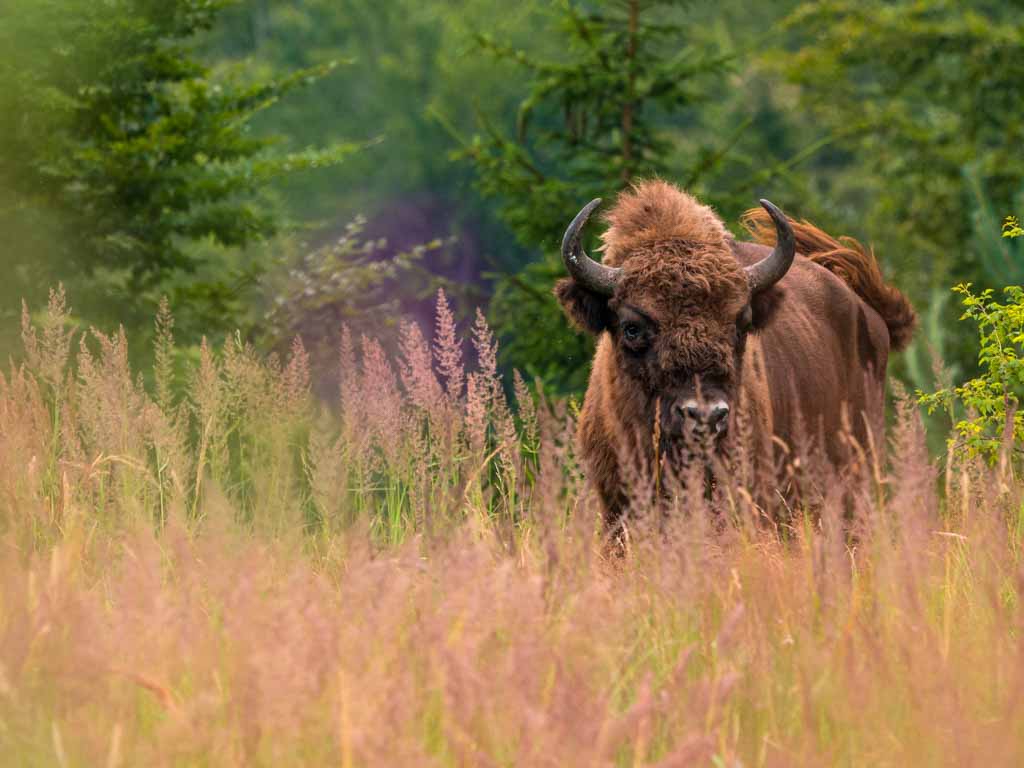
<point x="583" y="269"/>
<point x="773" y="267"/>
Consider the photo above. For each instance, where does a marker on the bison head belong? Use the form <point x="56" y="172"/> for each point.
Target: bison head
<point x="677" y="305"/>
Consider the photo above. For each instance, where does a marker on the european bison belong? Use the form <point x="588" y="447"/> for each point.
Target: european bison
<point x="694" y="327"/>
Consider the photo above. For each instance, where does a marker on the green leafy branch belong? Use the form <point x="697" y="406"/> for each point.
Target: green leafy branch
<point x="992" y="424"/>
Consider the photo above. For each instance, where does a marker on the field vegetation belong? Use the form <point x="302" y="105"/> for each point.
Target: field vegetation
<point x="221" y="570"/>
<point x="316" y="516"/>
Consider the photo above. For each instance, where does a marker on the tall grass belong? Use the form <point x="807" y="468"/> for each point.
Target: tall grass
<point x="414" y="575"/>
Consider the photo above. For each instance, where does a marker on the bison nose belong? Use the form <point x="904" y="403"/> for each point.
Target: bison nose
<point x="694" y="418"/>
<point x="718" y="418"/>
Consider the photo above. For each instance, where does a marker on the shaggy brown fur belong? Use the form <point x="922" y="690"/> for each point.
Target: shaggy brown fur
<point x="654" y="211"/>
<point x="851" y="261"/>
<point x="807" y="355"/>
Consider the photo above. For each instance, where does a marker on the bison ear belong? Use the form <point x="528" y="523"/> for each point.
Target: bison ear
<point x="587" y="311"/>
<point x="764" y="305"/>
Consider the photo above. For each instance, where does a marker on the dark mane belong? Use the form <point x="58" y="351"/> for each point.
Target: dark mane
<point x="854" y="263"/>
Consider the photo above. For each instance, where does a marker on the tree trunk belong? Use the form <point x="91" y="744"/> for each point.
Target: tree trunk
<point x="629" y="106"/>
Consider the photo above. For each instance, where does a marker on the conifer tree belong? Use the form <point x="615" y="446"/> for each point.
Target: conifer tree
<point x="116" y="133"/>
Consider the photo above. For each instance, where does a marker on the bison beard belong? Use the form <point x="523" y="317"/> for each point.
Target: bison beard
<point x="697" y="331"/>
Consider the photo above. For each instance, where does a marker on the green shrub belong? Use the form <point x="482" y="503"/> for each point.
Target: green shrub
<point x="991" y="423"/>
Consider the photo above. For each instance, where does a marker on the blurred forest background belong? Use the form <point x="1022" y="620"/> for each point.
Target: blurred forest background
<point x="287" y="167"/>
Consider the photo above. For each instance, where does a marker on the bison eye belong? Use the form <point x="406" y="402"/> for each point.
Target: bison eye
<point x="635" y="331"/>
<point x="632" y="332"/>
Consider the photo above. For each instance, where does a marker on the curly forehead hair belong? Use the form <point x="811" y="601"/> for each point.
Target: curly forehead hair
<point x="675" y="250"/>
<point x="680" y="276"/>
<point x="652" y="211"/>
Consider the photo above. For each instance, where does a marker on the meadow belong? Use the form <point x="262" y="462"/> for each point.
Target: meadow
<point x="217" y="569"/>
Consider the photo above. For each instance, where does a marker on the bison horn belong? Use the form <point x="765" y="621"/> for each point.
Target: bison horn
<point x="773" y="267"/>
<point x="583" y="269"/>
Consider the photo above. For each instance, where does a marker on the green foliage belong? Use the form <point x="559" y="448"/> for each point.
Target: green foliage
<point x="114" y="129"/>
<point x="351" y="281"/>
<point x="921" y="363"/>
<point x="1012" y="228"/>
<point x="1000" y="261"/>
<point x="592" y="121"/>
<point x="993" y="421"/>
<point x="406" y="62"/>
<point x="1000" y="256"/>
<point x="927" y="91"/>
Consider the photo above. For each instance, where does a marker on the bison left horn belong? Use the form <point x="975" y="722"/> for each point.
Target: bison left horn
<point x="774" y="266"/>
<point x="584" y="270"/>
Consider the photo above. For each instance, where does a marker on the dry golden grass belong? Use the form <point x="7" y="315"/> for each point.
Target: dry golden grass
<point x="233" y="578"/>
